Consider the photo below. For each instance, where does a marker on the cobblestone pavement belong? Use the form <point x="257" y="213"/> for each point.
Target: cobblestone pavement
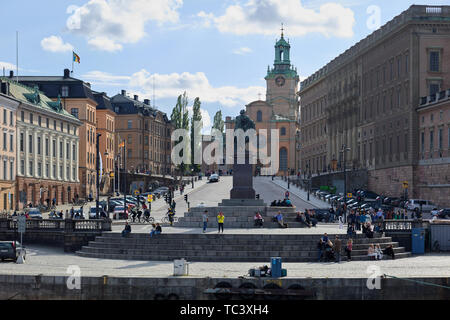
<point x="51" y="261"/>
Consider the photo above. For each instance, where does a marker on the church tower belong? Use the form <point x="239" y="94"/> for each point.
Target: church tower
<point x="282" y="82"/>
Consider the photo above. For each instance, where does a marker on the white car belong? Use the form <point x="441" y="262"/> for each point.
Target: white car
<point x="214" y="178"/>
<point x="415" y="204"/>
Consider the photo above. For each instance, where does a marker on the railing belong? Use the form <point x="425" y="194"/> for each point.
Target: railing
<point x="401" y="225"/>
<point x="58" y="225"/>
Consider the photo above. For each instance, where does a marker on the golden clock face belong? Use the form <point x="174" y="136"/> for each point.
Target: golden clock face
<point x="280" y="81"/>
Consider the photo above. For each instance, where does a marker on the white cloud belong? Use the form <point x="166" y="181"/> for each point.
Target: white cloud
<point x="55" y="44"/>
<point x="196" y="85"/>
<point x="174" y="84"/>
<point x="243" y="51"/>
<point x="105" y="44"/>
<point x="265" y="16"/>
<point x="7" y="66"/>
<point x="108" y="24"/>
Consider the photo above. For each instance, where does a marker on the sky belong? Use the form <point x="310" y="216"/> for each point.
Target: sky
<point x="215" y="50"/>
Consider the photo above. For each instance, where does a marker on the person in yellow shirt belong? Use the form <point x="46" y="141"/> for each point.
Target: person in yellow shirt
<point x="220" y="220"/>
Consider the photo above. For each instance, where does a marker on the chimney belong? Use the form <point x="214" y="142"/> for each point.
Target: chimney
<point x="88" y="84"/>
<point x="124" y="93"/>
<point x="66" y="73"/>
<point x="147" y="101"/>
<point x="11" y="74"/>
<point x="136" y="97"/>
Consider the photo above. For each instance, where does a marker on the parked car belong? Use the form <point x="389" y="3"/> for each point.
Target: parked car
<point x="93" y="212"/>
<point x="322" y="215"/>
<point x="369" y="195"/>
<point x="444" y="213"/>
<point x="10" y="250"/>
<point x="416" y="204"/>
<point x="120" y="212"/>
<point x="34" y="213"/>
<point x="214" y="178"/>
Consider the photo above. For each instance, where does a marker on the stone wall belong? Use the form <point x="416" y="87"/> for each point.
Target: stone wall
<point x="390" y="181"/>
<point x="38" y="287"/>
<point x="433" y="183"/>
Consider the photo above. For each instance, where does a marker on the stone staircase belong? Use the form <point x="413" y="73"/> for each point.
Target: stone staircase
<point x="223" y="247"/>
<point x="238" y="217"/>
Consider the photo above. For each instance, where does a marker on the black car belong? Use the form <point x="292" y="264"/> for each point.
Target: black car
<point x="444" y="213"/>
<point x="322" y="215"/>
<point x="10" y="250"/>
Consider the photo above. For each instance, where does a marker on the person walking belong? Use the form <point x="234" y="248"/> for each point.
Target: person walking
<point x="337" y="248"/>
<point x="220" y="220"/>
<point x="205" y="220"/>
<point x="348" y="249"/>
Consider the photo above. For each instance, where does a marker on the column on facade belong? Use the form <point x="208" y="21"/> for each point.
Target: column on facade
<point x="35" y="153"/>
<point x="58" y="159"/>
<point x="51" y="137"/>
<point x="64" y="159"/>
<point x="18" y="156"/>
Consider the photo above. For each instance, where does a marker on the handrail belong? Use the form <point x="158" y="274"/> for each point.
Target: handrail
<point x="67" y="225"/>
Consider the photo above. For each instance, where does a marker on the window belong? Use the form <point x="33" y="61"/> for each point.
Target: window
<point x="31" y="118"/>
<point x="283" y="131"/>
<point x="5" y="170"/>
<point x="259" y="116"/>
<point x="64" y="91"/>
<point x="431" y="141"/>
<point x="117" y="109"/>
<point x="11" y="118"/>
<point x="434" y="61"/>
<point x="11" y="142"/>
<point x="54" y="124"/>
<point x="406" y="63"/>
<point x="130" y="124"/>
<point x="54" y="148"/>
<point x="11" y="170"/>
<point x="47" y="122"/>
<point x="46" y="147"/>
<point x="434" y="88"/>
<point x="30" y="143"/>
<point x="39" y="121"/>
<point x="54" y="171"/>
<point x="22" y="167"/>
<point x="73" y="152"/>
<point x="74" y="112"/>
<point x="60" y="171"/>
<point x="4" y="141"/>
<point x="31" y="168"/>
<point x="440" y="138"/>
<point x="62" y="126"/>
<point x="61" y="149"/>
<point x="39" y="145"/>
<point x="129" y="139"/>
<point x="22" y="116"/>
<point x="21" y="142"/>
<point x="67" y="151"/>
<point x="39" y="169"/>
<point x="47" y="170"/>
<point x="4" y="116"/>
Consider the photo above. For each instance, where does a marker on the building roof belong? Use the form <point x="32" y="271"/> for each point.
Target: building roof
<point x="103" y="101"/>
<point x="52" y="85"/>
<point x="124" y="105"/>
<point x="36" y="98"/>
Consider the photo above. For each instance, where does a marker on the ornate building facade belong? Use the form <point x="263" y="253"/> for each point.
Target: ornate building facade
<point x="366" y="100"/>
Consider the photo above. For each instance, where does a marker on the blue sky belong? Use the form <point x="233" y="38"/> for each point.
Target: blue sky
<point x="217" y="50"/>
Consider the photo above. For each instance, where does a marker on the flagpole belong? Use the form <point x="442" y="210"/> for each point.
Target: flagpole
<point x="72" y="60"/>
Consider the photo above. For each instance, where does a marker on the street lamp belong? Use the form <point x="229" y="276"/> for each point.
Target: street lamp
<point x="98" y="175"/>
<point x="344" y="152"/>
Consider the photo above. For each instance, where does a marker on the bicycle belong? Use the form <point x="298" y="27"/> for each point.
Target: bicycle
<point x="166" y="219"/>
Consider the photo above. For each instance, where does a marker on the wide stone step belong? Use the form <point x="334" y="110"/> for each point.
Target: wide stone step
<point x="150" y="252"/>
<point x="233" y="247"/>
<point x="221" y="259"/>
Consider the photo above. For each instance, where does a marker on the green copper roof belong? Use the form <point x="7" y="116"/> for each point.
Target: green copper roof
<point x="283" y="43"/>
<point x="35" y="97"/>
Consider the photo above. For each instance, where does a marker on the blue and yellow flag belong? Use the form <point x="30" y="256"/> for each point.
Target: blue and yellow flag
<point x="76" y="58"/>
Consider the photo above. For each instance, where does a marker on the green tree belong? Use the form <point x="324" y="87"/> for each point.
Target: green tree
<point x="180" y="119"/>
<point x="196" y="131"/>
<point x="218" y="124"/>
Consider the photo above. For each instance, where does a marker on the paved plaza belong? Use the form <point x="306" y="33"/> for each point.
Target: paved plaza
<point x="54" y="262"/>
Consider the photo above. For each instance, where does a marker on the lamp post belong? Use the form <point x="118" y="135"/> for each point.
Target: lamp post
<point x="97" y="167"/>
<point x="344" y="152"/>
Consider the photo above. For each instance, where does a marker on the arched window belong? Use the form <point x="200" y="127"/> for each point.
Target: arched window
<point x="283" y="131"/>
<point x="259" y="116"/>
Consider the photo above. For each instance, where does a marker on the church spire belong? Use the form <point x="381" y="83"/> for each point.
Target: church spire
<point x="282" y="30"/>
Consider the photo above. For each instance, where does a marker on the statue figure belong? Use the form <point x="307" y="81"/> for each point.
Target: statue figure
<point x="243" y="122"/>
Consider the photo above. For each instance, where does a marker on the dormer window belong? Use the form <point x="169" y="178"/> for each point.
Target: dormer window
<point x="64" y="91"/>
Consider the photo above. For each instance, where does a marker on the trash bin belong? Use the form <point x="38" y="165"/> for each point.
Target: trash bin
<point x="418" y="241"/>
<point x="276" y="267"/>
<point x="180" y="267"/>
